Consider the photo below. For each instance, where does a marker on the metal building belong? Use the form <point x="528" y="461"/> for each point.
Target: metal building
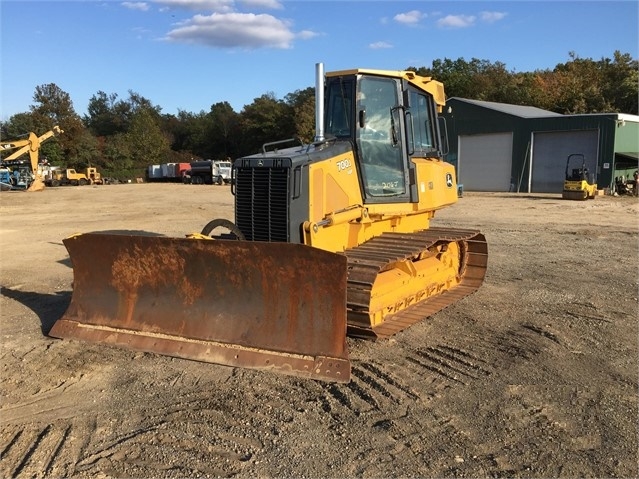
<point x="502" y="147"/>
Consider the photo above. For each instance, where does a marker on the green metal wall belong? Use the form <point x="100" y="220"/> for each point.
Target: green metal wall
<point x="627" y="144"/>
<point x="627" y="136"/>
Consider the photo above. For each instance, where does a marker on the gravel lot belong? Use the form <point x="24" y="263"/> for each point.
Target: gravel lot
<point x="535" y="375"/>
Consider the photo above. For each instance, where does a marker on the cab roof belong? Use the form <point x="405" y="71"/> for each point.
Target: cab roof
<point x="427" y="84"/>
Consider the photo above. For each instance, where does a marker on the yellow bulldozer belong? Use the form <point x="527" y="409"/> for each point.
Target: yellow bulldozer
<point x="330" y="238"/>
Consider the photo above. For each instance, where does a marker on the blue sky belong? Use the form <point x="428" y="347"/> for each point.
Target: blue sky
<point x="190" y="54"/>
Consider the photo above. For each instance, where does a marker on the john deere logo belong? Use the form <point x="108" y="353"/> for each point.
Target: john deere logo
<point x="449" y="180"/>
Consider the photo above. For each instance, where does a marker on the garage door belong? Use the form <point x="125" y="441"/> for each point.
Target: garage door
<point x="485" y="161"/>
<point x="550" y="152"/>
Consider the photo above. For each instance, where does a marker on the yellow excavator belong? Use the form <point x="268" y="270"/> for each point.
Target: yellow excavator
<point x="30" y="145"/>
<point x="329" y="239"/>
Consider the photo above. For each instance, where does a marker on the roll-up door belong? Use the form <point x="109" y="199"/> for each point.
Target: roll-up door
<point x="485" y="162"/>
<point x="550" y="152"/>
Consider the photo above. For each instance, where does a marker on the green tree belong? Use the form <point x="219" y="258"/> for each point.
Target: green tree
<point x="621" y="82"/>
<point x="147" y="144"/>
<point x="87" y="153"/>
<point x="118" y="159"/>
<point x="189" y="132"/>
<point x="106" y="115"/>
<point x="263" y="121"/>
<point x="459" y="76"/>
<point x="53" y="106"/>
<point x="127" y="134"/>
<point x="302" y="104"/>
<point x="577" y="86"/>
<point x="224" y="130"/>
<point x="18" y="126"/>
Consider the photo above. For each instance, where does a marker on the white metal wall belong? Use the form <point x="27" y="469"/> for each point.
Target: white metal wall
<point x="550" y="151"/>
<point x="485" y="161"/>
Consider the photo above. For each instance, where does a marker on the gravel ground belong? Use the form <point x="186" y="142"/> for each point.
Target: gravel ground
<point x="534" y="375"/>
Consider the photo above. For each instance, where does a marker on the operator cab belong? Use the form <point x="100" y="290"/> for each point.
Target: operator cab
<point x="389" y="121"/>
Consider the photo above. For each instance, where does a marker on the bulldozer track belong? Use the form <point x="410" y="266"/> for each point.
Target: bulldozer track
<point x="366" y="261"/>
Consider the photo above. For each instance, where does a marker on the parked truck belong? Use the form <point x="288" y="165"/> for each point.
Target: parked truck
<point x="55" y="176"/>
<point x="208" y="172"/>
<point x="222" y="172"/>
<point x="201" y="172"/>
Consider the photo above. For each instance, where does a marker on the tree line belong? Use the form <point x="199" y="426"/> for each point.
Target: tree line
<point x="122" y="136"/>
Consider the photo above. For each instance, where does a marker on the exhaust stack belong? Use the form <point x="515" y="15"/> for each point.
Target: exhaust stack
<point x="319" y="102"/>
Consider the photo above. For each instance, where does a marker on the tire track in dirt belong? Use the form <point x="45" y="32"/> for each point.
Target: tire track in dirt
<point x="453" y="364"/>
<point x="198" y="433"/>
<point x="135" y="437"/>
<point x="390" y="392"/>
<point x="372" y="388"/>
<point x="197" y="429"/>
<point x="394" y="399"/>
<point x="34" y="451"/>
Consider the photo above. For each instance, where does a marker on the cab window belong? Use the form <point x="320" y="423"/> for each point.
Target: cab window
<point x="422" y="114"/>
<point x="339" y="112"/>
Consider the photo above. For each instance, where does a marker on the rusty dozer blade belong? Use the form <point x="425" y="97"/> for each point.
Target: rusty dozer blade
<point x="273" y="306"/>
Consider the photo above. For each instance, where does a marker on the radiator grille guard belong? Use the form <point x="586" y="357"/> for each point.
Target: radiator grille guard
<point x="261" y="198"/>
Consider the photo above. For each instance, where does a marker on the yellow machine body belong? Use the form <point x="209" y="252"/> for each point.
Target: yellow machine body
<point x="336" y="201"/>
<point x="329" y="239"/>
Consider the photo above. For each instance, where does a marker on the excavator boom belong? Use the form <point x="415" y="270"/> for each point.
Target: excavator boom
<point x="32" y="146"/>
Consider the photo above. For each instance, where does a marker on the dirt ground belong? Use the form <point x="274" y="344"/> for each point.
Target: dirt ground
<point x="535" y="375"/>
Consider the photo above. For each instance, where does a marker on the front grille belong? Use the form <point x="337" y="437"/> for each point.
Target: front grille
<point x="261" y="202"/>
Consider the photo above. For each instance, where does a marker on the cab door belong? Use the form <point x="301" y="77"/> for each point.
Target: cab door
<point x="382" y="155"/>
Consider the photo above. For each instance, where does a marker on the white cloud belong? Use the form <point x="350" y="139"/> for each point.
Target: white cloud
<point x="456" y="21"/>
<point x="306" y="34"/>
<point x="236" y="30"/>
<point x="142" y="6"/>
<point x="410" y="18"/>
<point x="221" y="6"/>
<point x="492" y="17"/>
<point x="270" y="4"/>
<point x="379" y="45"/>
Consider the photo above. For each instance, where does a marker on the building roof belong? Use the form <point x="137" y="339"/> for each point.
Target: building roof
<point x="630" y="155"/>
<point x="515" y="110"/>
<point x="627" y="117"/>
